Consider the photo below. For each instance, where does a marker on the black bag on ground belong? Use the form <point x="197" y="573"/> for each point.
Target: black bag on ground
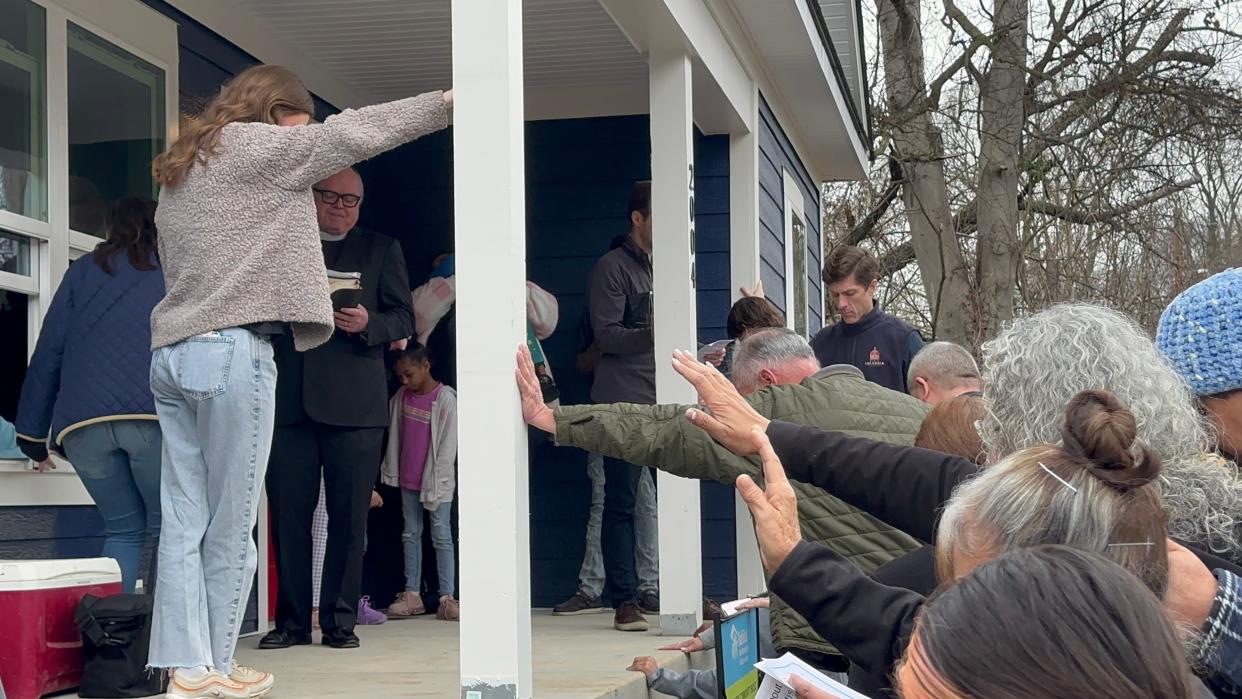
<point x="116" y="635"/>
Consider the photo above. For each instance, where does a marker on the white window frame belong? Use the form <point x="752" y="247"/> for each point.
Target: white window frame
<point x="149" y="35"/>
<point x="20" y="223"/>
<point x="795" y="203"/>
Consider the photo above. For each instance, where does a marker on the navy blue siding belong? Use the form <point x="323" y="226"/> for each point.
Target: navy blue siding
<point x="711" y="225"/>
<point x="50" y="532"/>
<point x="777" y="154"/>
<point x="580" y="173"/>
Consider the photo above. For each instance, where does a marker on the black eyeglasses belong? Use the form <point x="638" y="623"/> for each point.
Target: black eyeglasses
<point x="330" y="197"/>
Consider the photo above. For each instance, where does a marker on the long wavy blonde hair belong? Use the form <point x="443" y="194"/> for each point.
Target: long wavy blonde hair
<point x="262" y="93"/>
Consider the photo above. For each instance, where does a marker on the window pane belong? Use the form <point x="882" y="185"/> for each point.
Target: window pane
<point x="14" y="254"/>
<point x="14" y="328"/>
<point x="116" y="127"/>
<point x="23" y="104"/>
<point x="798" y="240"/>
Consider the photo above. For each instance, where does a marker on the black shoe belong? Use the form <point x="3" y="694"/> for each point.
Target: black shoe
<point x="340" y="638"/>
<point x="578" y="604"/>
<point x="649" y="602"/>
<point x="283" y="639"/>
<point x="629" y="618"/>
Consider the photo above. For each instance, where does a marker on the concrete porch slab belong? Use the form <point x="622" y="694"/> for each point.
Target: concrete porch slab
<point x="580" y="657"/>
<point x="575" y="658"/>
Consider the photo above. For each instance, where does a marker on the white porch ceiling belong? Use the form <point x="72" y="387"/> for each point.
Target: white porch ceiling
<point x="388" y="49"/>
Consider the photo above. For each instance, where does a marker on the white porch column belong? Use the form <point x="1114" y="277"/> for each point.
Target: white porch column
<point x="488" y="167"/>
<point x="676" y="324"/>
<point x="744" y="234"/>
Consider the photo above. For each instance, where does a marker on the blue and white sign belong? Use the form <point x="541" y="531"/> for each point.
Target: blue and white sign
<point x="737" y="651"/>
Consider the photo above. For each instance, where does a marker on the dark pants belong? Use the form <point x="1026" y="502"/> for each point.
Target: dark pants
<point x="350" y="459"/>
<point x="617" y="533"/>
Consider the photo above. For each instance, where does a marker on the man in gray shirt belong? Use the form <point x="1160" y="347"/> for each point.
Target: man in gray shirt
<point x="620" y="303"/>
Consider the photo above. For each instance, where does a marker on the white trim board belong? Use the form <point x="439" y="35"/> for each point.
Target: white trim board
<point x="794" y="201"/>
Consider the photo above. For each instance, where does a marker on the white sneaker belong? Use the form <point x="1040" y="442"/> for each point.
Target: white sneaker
<point x="258" y="683"/>
<point x="212" y="685"/>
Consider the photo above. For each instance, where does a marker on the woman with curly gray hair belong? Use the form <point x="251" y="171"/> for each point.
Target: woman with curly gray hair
<point x="1036" y="364"/>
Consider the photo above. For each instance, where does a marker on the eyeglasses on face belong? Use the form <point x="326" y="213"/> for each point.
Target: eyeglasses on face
<point x="330" y="197"/>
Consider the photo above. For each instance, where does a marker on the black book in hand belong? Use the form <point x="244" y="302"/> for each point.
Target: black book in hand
<point x="345" y="288"/>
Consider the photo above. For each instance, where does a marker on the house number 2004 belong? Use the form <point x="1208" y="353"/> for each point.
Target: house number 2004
<point x="693" y="276"/>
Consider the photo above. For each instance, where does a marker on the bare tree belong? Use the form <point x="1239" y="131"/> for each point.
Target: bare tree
<point x="1046" y="159"/>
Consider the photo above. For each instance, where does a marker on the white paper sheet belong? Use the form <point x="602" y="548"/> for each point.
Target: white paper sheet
<point x="713" y="347"/>
<point x="777" y="673"/>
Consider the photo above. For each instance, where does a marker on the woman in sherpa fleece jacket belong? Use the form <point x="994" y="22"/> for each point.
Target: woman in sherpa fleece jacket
<point x="240" y="248"/>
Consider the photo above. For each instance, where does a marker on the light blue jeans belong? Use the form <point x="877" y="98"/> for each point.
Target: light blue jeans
<point x="119" y="464"/>
<point x="441" y="538"/>
<point x="646" y="534"/>
<point x="215" y="395"/>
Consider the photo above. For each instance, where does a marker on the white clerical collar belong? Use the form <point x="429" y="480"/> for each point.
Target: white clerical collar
<point x="332" y="237"/>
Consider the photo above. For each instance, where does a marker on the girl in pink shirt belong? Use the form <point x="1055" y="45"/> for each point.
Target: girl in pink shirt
<point x="421" y="460"/>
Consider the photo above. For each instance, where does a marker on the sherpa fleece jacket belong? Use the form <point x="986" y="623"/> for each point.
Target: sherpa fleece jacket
<point x="239" y="240"/>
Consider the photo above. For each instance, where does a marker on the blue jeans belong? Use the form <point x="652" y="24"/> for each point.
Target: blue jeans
<point x="441" y="538"/>
<point x="119" y="464"/>
<point x="646" y="534"/>
<point x="215" y="395"/>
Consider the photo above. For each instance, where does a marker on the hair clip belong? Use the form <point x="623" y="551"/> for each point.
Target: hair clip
<point x="1134" y="543"/>
<point x="1063" y="481"/>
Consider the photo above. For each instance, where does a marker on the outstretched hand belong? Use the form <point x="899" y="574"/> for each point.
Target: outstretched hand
<point x="775" y="509"/>
<point x="729" y="418"/>
<point x="535" y="412"/>
<point x="690" y="645"/>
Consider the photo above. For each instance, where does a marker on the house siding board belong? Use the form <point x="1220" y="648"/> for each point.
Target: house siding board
<point x="778" y="156"/>
<point x="713" y="298"/>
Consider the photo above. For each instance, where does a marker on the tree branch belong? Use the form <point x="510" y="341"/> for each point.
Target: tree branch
<point x="865" y="228"/>
<point x="896" y="259"/>
<point x="1128" y="73"/>
<point x="1087" y="217"/>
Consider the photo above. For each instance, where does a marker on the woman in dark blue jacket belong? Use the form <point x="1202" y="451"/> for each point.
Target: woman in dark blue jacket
<point x="87" y="392"/>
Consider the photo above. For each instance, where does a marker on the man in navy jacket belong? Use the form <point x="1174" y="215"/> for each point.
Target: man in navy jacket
<point x="879" y="344"/>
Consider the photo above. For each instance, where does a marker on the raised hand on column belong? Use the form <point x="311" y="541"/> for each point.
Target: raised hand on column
<point x="535" y="412"/>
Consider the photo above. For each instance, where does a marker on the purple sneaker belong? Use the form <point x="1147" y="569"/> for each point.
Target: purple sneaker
<point x="367" y="616"/>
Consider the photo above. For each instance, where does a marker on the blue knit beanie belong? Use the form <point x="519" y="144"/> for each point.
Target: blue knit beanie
<point x="1201" y="333"/>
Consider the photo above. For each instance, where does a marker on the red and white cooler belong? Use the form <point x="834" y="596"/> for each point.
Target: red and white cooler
<point x="40" y="647"/>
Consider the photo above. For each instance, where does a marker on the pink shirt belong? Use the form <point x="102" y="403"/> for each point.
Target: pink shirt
<point x="416" y="436"/>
